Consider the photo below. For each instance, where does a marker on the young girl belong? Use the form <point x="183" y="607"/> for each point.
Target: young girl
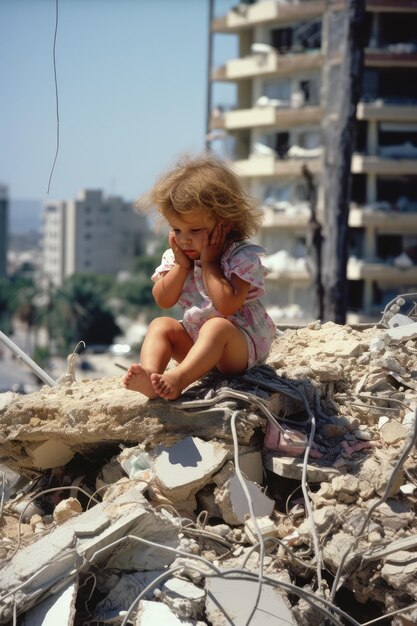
<point x="213" y="272"/>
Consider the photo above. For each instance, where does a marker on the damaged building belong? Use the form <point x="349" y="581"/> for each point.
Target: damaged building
<point x="286" y="76"/>
<point x="283" y="496"/>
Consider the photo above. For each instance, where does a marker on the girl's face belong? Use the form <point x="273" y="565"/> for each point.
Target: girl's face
<point x="189" y="229"/>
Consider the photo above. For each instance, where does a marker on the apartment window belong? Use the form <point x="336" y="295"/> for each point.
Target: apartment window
<point x="358" y="188"/>
<point x="281" y="39"/>
<point x="395" y="28"/>
<point x="355" y="289"/>
<point x="388" y="246"/>
<point x="392" y="189"/>
<point x="361" y="137"/>
<point x="397" y="85"/>
<point x="282" y="144"/>
<point x="356" y="237"/>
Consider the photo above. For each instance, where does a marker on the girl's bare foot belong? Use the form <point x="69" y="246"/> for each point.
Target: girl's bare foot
<point x="138" y="379"/>
<point x="167" y="385"/>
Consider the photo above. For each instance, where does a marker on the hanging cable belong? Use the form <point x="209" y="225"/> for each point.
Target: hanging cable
<point x="56" y="97"/>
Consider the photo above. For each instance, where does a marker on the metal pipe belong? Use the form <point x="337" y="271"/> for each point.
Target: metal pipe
<point x="27" y="360"/>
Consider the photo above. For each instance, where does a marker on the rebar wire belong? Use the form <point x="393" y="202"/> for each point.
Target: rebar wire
<point x="404" y="454"/>
<point x="252" y="514"/>
<point x="315" y="600"/>
<point x="41" y="493"/>
<point x="3" y="489"/>
<point x="56" y="97"/>
<point x="391" y="614"/>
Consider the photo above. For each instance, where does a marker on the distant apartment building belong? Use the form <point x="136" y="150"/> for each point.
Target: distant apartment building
<point x="92" y="233"/>
<point x="276" y="129"/>
<point x="4" y="221"/>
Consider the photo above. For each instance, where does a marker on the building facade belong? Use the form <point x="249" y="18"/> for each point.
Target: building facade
<point x="4" y="229"/>
<point x="276" y="129"/>
<point x="92" y="233"/>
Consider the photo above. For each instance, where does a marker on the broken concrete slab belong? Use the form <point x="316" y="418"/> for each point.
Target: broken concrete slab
<point x="289" y="467"/>
<point x="152" y="613"/>
<point x="233" y="503"/>
<point x="183" y="598"/>
<point x="401" y="333"/>
<point x="231" y="602"/>
<point x="75" y="543"/>
<point x="184" y="468"/>
<point x="85" y="415"/>
<point x="50" y="453"/>
<point x="58" y="608"/>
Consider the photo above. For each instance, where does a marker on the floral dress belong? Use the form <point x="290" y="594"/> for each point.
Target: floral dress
<point x="240" y="258"/>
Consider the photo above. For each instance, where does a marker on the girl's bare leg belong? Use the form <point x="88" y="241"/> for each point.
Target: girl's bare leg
<point x="166" y="338"/>
<point x="220" y="343"/>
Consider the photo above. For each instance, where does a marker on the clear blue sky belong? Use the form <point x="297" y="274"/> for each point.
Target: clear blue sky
<point x="132" y="92"/>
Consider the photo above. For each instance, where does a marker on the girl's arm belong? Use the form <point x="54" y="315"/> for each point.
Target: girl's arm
<point x="227" y="296"/>
<point x="168" y="288"/>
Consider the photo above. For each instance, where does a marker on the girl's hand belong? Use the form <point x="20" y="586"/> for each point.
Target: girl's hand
<point x="213" y="246"/>
<point x="181" y="259"/>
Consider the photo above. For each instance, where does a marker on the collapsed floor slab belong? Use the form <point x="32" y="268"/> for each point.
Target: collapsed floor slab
<point x="69" y="548"/>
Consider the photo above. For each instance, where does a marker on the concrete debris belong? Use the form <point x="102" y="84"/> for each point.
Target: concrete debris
<point x="66" y="509"/>
<point x="182" y="469"/>
<point x="114" y="507"/>
<point x="231" y="601"/>
<point x="58" y="608"/>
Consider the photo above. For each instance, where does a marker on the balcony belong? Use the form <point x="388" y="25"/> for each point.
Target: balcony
<point x="286" y="269"/>
<point x="269" y="64"/>
<point x="391" y="6"/>
<point x="285" y="215"/>
<point x="269" y="116"/>
<point x="381" y="112"/>
<point x="273" y="167"/>
<point x="362" y="164"/>
<point x="382" y="272"/>
<point x="395" y="58"/>
<point x="386" y="220"/>
<point x="269" y="11"/>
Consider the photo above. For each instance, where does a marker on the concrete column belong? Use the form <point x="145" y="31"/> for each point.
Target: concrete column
<point x="372" y="138"/>
<point x="369" y="251"/>
<point x="367" y="297"/>
<point x="371" y="188"/>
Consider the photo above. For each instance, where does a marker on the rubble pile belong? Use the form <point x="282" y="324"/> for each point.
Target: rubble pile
<point x="287" y="495"/>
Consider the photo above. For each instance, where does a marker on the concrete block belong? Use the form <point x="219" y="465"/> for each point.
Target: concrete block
<point x="399" y="320"/>
<point x="188" y="465"/>
<point x="231" y="602"/>
<point x="288" y="467"/>
<point x="233" y="503"/>
<point x="184" y="598"/>
<point x="70" y="507"/>
<point x="393" y="431"/>
<point x="401" y="333"/>
<point x="153" y="613"/>
<point x="50" y="453"/>
<point x="56" y="609"/>
<point x="252" y="467"/>
<point x="266" y="527"/>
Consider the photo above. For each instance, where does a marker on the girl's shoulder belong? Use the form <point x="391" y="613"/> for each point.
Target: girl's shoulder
<point x="245" y="247"/>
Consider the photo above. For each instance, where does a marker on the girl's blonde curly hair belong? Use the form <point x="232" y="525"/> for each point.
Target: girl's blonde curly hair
<point x="204" y="183"/>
